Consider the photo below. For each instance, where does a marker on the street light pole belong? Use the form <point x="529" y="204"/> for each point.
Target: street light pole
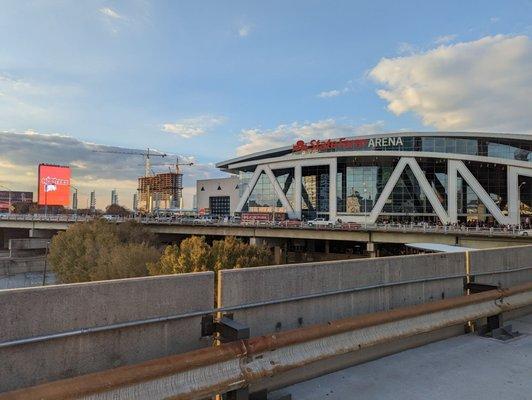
<point x="365" y="206"/>
<point x="519" y="203"/>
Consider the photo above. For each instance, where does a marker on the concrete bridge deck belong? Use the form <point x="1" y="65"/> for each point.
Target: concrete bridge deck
<point x="462" y="367"/>
<point x="374" y="233"/>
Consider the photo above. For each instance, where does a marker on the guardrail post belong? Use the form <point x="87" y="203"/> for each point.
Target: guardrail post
<point x="494" y="323"/>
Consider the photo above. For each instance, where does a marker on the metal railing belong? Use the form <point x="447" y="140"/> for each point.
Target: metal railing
<point x="230" y="366"/>
<point x="377" y="227"/>
<point x="170" y="318"/>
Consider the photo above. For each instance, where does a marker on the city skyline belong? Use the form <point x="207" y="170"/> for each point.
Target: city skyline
<point x="209" y="83"/>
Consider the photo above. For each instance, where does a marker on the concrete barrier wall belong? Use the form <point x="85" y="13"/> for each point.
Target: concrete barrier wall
<point x="254" y="285"/>
<point x="52" y="309"/>
<point x="503" y="259"/>
<point x="28" y="244"/>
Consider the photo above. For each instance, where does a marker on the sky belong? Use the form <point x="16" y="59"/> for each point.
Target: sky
<point x="209" y="80"/>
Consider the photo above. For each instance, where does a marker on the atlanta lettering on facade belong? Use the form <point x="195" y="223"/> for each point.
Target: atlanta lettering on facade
<point x="346" y="144"/>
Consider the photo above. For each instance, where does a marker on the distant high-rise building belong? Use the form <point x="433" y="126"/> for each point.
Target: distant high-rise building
<point x="135" y="202"/>
<point x="161" y="191"/>
<point x="114" y="196"/>
<point x="194" y="202"/>
<point x="75" y="201"/>
<point x="93" y="201"/>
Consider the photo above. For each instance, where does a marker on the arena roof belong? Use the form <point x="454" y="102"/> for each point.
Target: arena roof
<point x="279" y="151"/>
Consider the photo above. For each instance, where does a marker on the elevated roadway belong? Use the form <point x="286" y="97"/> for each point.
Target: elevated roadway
<point x="45" y="227"/>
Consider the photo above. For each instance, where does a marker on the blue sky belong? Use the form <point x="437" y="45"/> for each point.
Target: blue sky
<point x="212" y="79"/>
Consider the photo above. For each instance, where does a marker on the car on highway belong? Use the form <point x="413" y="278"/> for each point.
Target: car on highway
<point x="320" y="222"/>
<point x="204" y="220"/>
<point x="525" y="232"/>
<point x="110" y="218"/>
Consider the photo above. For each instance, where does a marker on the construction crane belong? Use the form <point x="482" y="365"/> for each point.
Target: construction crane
<point x="176" y="165"/>
<point x="146" y="154"/>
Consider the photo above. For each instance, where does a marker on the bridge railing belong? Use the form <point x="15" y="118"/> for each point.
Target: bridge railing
<point x="53" y="332"/>
<point x="512" y="231"/>
<point x="67" y="330"/>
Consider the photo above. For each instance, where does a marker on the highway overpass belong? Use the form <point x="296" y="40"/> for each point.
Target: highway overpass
<point x="276" y="236"/>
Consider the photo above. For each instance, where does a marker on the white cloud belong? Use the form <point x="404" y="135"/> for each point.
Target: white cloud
<point x="480" y="85"/>
<point x="22" y="152"/>
<point x="109" y="12"/>
<point x="445" y="39"/>
<point x="196" y="126"/>
<point x="244" y="30"/>
<point x="406" y="48"/>
<point x="330" y="93"/>
<point x="258" y="139"/>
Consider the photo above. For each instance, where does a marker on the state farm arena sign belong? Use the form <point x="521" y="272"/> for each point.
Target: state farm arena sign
<point x="346" y="144"/>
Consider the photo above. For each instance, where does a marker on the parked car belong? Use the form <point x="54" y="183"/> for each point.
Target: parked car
<point x="525" y="232"/>
<point x="109" y="217"/>
<point x="204" y="220"/>
<point x="320" y="222"/>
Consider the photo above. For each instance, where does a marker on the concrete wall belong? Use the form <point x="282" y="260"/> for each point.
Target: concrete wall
<point x="28" y="244"/>
<point x="19" y="272"/>
<point x="26" y="279"/>
<point x="245" y="286"/>
<point x="52" y="309"/>
<point x="504" y="259"/>
<point x="228" y="186"/>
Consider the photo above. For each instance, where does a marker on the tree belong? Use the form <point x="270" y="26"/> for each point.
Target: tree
<point x="115" y="209"/>
<point x="168" y="263"/>
<point x="194" y="255"/>
<point x="233" y="253"/>
<point x="99" y="250"/>
<point x="132" y="231"/>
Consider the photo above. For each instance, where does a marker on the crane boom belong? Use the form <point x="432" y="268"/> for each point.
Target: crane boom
<point x="146" y="154"/>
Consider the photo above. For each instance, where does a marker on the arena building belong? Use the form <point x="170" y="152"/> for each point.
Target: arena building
<point x="450" y="177"/>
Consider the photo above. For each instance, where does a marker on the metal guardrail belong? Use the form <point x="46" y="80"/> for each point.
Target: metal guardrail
<point x="129" y="324"/>
<point x="204" y="373"/>
<point x="403" y="228"/>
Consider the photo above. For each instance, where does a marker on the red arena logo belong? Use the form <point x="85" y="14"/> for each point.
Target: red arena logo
<point x="345" y="144"/>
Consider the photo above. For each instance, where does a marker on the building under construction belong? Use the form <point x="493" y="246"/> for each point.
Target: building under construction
<point x="161" y="191"/>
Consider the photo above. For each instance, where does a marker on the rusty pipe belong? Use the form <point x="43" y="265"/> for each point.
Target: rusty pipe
<point x="201" y="373"/>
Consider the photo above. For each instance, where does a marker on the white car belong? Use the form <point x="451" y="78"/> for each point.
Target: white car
<point x="204" y="220"/>
<point x="525" y="232"/>
<point x="110" y="218"/>
<point x="320" y="222"/>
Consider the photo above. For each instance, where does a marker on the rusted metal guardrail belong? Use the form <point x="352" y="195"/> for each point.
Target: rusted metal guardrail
<point x="206" y="372"/>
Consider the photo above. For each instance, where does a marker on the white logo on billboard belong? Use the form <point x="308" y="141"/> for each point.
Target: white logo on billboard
<point x="50" y="187"/>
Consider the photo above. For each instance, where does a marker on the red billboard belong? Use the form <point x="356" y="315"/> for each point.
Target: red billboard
<point x="54" y="185"/>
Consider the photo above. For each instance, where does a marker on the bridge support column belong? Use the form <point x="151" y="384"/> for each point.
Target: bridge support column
<point x="372" y="250"/>
<point x="278" y="247"/>
<point x="42" y="233"/>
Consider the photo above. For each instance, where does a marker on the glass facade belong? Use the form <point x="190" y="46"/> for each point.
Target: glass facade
<point x="512" y="149"/>
<point x="263" y="197"/>
<point x="220" y="205"/>
<point x="361" y="180"/>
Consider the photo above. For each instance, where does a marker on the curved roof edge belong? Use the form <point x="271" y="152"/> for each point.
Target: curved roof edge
<point x="261" y="154"/>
